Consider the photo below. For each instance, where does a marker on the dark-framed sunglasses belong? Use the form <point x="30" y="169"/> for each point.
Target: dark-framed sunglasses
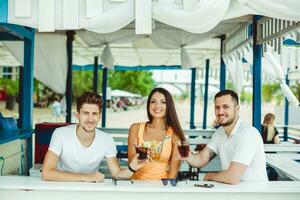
<point x="172" y="181"/>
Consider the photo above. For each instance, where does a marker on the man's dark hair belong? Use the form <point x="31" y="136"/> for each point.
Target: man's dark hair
<point x="89" y="97"/>
<point x="232" y="93"/>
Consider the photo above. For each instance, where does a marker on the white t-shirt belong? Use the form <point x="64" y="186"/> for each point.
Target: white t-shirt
<point x="76" y="158"/>
<point x="245" y="146"/>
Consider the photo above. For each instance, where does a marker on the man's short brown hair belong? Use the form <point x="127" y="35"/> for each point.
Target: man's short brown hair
<point x="233" y="94"/>
<point x="89" y="97"/>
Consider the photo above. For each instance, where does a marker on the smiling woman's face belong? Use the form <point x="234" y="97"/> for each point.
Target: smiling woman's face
<point x="157" y="106"/>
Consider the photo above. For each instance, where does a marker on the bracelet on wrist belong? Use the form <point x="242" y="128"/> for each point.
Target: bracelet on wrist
<point x="132" y="170"/>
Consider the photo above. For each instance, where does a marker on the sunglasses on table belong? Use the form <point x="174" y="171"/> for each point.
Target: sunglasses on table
<point x="172" y="181"/>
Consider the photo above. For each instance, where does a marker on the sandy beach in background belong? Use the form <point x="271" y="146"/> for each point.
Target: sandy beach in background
<point x="123" y="119"/>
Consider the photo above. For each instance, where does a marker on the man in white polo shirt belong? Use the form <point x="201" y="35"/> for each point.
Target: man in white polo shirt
<point x="238" y="144"/>
<point x="76" y="151"/>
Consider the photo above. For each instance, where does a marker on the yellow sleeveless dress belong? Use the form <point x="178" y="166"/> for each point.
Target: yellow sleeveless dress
<point x="155" y="170"/>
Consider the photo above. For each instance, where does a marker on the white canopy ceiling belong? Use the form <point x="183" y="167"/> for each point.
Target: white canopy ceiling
<point x="105" y="16"/>
<point x="181" y="32"/>
<point x="132" y="50"/>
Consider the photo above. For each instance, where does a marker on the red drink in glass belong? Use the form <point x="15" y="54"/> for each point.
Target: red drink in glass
<point x="142" y="151"/>
<point x="184" y="150"/>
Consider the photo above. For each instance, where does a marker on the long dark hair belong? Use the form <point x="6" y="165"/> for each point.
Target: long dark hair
<point x="171" y="119"/>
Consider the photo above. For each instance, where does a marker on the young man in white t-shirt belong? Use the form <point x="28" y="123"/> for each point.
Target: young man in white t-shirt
<point x="75" y="151"/>
<point x="238" y="144"/>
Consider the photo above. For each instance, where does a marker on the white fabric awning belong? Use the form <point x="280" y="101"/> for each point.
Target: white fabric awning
<point x="183" y="32"/>
<point x="105" y="16"/>
<point x="50" y="60"/>
<point x="163" y="47"/>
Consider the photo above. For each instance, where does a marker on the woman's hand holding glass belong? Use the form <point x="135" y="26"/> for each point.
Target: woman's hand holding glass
<point x="137" y="163"/>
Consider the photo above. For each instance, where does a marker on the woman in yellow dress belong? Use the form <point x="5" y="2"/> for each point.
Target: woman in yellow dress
<point x="161" y="134"/>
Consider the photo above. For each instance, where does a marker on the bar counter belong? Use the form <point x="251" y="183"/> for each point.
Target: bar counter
<point x="17" y="187"/>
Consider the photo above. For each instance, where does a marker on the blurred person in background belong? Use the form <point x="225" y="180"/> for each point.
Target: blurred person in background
<point x="269" y="134"/>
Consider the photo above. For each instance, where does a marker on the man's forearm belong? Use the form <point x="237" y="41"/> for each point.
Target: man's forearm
<point x="55" y="175"/>
<point x="195" y="160"/>
<point x="124" y="173"/>
<point x="223" y="177"/>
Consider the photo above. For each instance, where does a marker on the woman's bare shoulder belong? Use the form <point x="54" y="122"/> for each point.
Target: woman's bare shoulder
<point x="135" y="125"/>
<point x="175" y="138"/>
<point x="134" y="128"/>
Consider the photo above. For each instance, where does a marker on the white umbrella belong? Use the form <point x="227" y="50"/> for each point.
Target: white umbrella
<point x="122" y="93"/>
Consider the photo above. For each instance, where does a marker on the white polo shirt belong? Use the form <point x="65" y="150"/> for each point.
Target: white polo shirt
<point x="245" y="146"/>
<point x="76" y="158"/>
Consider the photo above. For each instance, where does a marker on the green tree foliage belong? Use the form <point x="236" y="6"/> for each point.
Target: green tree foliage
<point x="246" y="97"/>
<point x="184" y="96"/>
<point x="82" y="81"/>
<point x="296" y="89"/>
<point x="272" y="92"/>
<point x="11" y="87"/>
<point x="139" y="82"/>
<point x="229" y="85"/>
